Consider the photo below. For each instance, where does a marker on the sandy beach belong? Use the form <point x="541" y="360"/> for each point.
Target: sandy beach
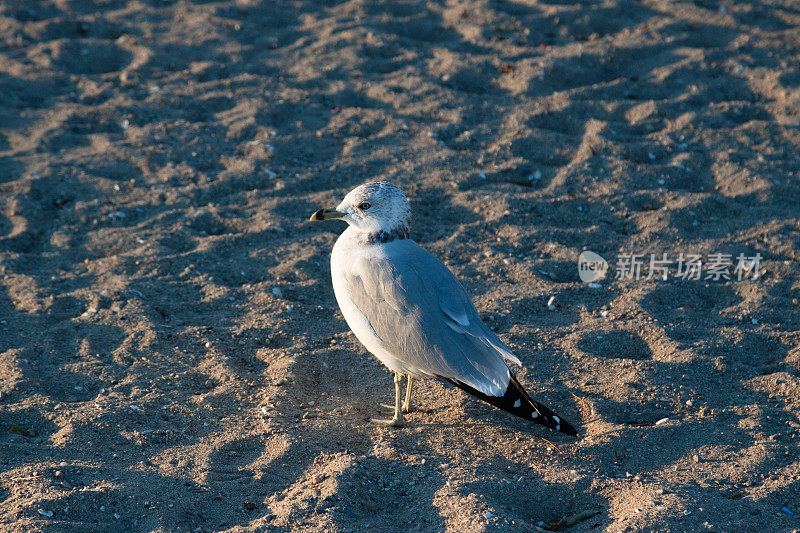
<point x="172" y="357"/>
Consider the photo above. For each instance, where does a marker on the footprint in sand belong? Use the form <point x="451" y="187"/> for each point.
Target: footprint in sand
<point x="89" y="56"/>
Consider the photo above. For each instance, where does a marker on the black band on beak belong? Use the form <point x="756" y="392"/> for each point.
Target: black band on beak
<point x="326" y="214"/>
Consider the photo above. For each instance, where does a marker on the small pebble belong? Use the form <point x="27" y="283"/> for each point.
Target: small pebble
<point x="48" y="514"/>
<point x="662" y="421"/>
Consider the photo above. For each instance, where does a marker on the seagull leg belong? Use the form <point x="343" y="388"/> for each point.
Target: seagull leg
<point x="407" y="402"/>
<point x="397" y="419"/>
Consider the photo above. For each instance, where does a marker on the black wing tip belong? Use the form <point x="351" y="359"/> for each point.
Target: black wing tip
<point x="544" y="416"/>
<point x="517" y="402"/>
<point x="568" y="429"/>
<point x="553" y="421"/>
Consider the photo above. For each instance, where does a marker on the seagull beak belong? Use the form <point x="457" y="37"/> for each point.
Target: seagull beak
<point x="326" y="214"/>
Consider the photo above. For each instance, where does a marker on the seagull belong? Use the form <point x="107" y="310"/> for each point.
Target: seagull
<point x="410" y="311"/>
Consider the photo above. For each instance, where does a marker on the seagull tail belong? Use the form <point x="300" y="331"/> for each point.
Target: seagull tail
<point x="518" y="402"/>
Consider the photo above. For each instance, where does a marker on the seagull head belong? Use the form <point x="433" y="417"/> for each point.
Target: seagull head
<point x="377" y="207"/>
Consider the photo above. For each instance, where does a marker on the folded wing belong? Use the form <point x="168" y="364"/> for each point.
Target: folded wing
<point x="425" y="318"/>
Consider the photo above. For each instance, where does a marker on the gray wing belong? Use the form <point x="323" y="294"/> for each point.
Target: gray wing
<point x="425" y="318"/>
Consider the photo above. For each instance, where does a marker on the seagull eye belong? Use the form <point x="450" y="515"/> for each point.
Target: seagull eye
<point x="364" y="206"/>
